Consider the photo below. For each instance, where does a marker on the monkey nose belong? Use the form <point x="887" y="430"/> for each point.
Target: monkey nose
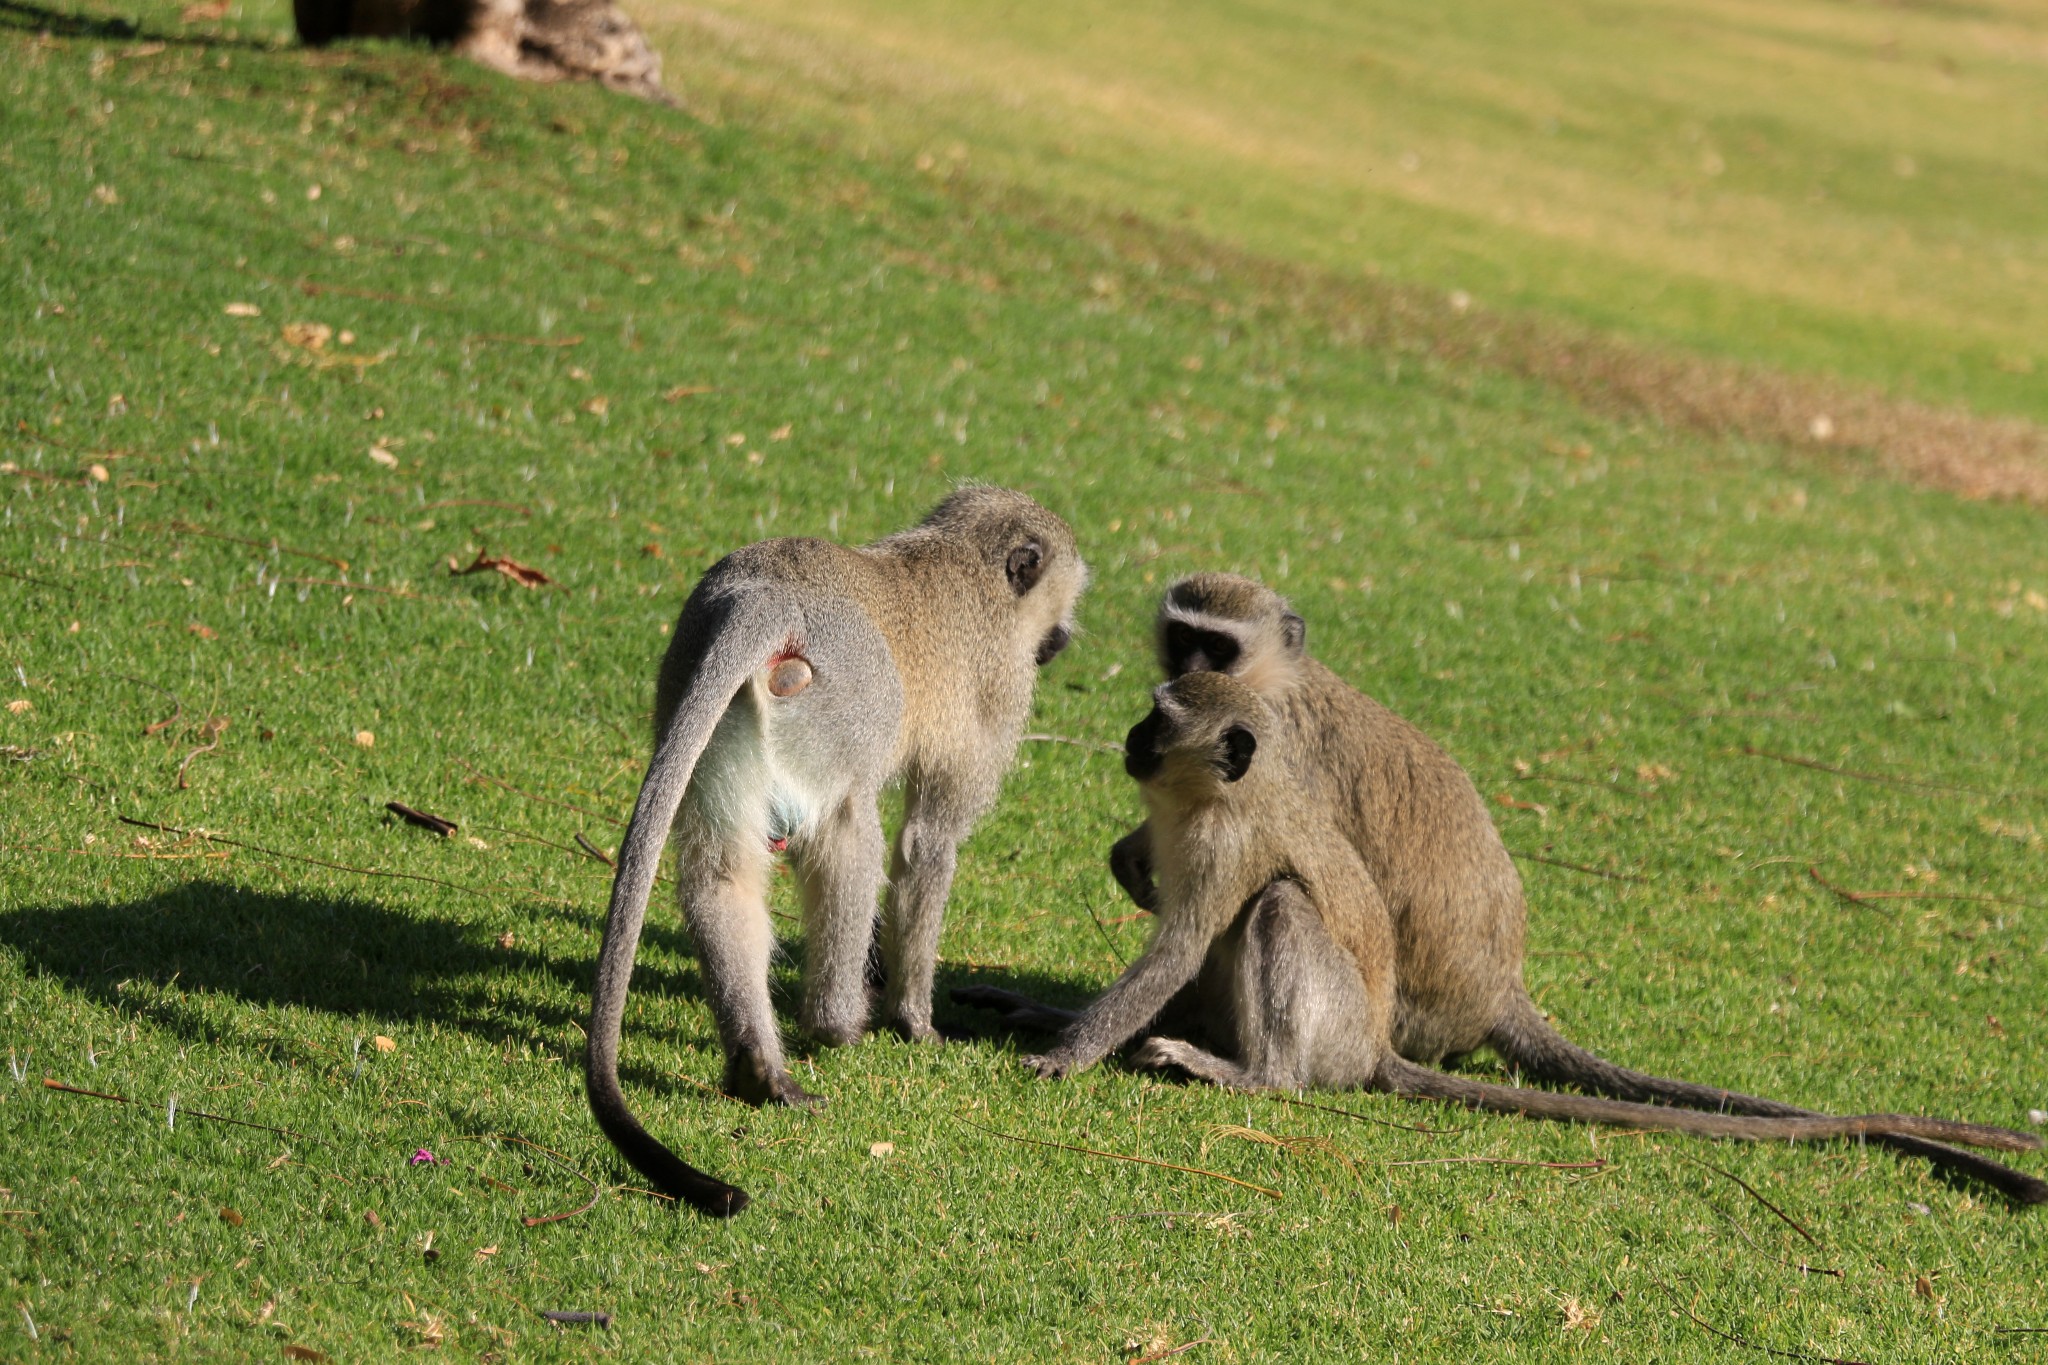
<point x="1055" y="640"/>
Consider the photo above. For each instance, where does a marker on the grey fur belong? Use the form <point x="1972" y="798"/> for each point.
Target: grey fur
<point x="1266" y="909"/>
<point x="924" y="649"/>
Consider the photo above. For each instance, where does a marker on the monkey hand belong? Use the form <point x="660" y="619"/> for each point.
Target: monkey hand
<point x="1053" y="1066"/>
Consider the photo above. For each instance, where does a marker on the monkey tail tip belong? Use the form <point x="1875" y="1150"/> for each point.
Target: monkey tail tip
<point x="687" y="1185"/>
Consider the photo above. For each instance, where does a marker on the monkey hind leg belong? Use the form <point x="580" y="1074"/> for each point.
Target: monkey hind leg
<point x="722" y="884"/>
<point x="839" y="873"/>
<point x="1300" y="1006"/>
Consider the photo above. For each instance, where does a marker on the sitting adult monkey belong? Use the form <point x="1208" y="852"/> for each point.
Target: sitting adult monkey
<point x="803" y="678"/>
<point x="1430" y="846"/>
<point x="1269" y="914"/>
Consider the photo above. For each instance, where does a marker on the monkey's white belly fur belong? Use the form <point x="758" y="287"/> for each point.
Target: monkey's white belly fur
<point x="754" y="778"/>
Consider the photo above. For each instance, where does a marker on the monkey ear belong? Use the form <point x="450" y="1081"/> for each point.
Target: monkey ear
<point x="1027" y="562"/>
<point x="1239" y="744"/>
<point x="1294" y="631"/>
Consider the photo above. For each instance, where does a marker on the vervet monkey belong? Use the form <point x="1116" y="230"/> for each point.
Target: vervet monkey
<point x="803" y="678"/>
<point x="1426" y="838"/>
<point x="1265" y="907"/>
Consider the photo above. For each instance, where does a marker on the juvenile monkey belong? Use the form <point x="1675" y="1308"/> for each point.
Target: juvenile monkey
<point x="804" y="677"/>
<point x="1427" y="840"/>
<point x="1266" y="907"/>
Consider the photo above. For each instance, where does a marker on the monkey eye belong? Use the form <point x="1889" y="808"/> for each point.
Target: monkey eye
<point x="1026" y="563"/>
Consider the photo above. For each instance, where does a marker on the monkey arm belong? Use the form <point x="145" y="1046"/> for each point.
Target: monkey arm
<point x="1147" y="986"/>
<point x="1130" y="862"/>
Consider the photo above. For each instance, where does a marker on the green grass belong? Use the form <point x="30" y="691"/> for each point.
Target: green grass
<point x="1595" y="618"/>
<point x="1827" y="187"/>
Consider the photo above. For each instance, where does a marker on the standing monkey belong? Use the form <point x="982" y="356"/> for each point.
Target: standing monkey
<point x="1266" y="909"/>
<point x="803" y="678"/>
<point x="1429" y="844"/>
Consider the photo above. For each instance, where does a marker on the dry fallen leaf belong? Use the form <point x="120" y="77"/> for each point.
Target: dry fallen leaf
<point x="204" y="632"/>
<point x="365" y="740"/>
<point x="506" y="940"/>
<point x="688" y="391"/>
<point x="97" y="473"/>
<point x="294" y="1351"/>
<point x="384" y="457"/>
<point x="192" y="14"/>
<point x="243" y="310"/>
<point x="524" y="575"/>
<point x="20" y="706"/>
<point x="307" y="336"/>
<point x="370" y="1217"/>
<point x="384" y="1044"/>
<point x="881" y="1149"/>
<point x="231" y="1218"/>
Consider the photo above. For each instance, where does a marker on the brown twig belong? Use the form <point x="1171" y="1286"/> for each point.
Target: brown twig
<point x="520" y="508"/>
<point x="214" y="727"/>
<point x="478" y="776"/>
<point x="593" y="850"/>
<point x="1597" y="1164"/>
<point x="354" y="587"/>
<point x="313" y="289"/>
<point x="1742" y="1232"/>
<point x="1866" y="897"/>
<point x="1818" y="766"/>
<point x="1171" y="1351"/>
<point x="1787" y="1219"/>
<point x="49" y="1084"/>
<point x="1066" y="739"/>
<point x="1577" y="867"/>
<point x="302" y="858"/>
<point x="177" y="706"/>
<point x="1744" y="1342"/>
<point x="506" y="339"/>
<point x="1119" y="1156"/>
<point x="1102" y="929"/>
<point x="435" y="823"/>
<point x="40" y="582"/>
<point x="596" y="1190"/>
<point x="186" y="528"/>
<point x="1362" y="1118"/>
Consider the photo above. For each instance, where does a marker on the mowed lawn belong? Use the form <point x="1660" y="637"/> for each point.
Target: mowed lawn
<point x="1819" y="185"/>
<point x="288" y="336"/>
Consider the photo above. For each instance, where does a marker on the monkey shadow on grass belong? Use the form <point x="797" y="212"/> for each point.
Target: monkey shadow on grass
<point x="340" y="954"/>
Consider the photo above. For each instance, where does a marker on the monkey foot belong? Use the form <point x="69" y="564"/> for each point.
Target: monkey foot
<point x="1053" y="1066"/>
<point x="746" y="1079"/>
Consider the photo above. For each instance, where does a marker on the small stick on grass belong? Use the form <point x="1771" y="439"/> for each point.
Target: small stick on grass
<point x="1889" y="781"/>
<point x="1119" y="1156"/>
<point x="1088" y="744"/>
<point x="50" y="1084"/>
<point x="302" y="858"/>
<point x="593" y="850"/>
<point x="1598" y="1164"/>
<point x="596" y="1190"/>
<point x="1362" y="1118"/>
<point x="1171" y="1351"/>
<point x="212" y="729"/>
<point x="1744" y="1342"/>
<point x="1865" y="898"/>
<point x="1787" y="1219"/>
<point x="186" y="528"/>
<point x="1577" y="867"/>
<point x="487" y="779"/>
<point x="1742" y="1232"/>
<point x="435" y="823"/>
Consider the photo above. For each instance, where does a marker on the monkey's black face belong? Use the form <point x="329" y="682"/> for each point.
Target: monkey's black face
<point x="1055" y="640"/>
<point x="1190" y="649"/>
<point x="1146" y="745"/>
<point x="1142" y="759"/>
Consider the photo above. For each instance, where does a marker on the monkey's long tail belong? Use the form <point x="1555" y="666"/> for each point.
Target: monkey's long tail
<point x="1528" y="1042"/>
<point x="1405" y="1078"/>
<point x="740" y="643"/>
